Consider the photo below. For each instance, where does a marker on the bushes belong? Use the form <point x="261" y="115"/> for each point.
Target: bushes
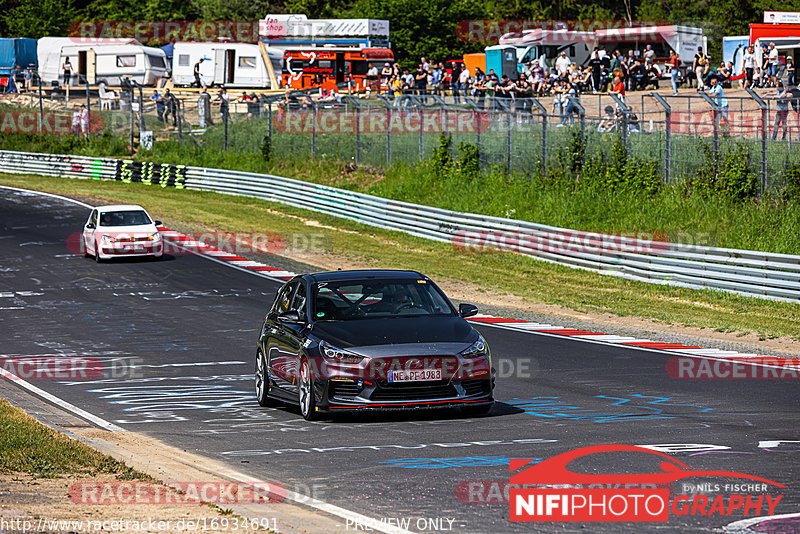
<point x="726" y="173"/>
<point x="791" y="179"/>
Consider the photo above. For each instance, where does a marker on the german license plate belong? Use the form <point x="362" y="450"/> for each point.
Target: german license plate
<point x="415" y="376"/>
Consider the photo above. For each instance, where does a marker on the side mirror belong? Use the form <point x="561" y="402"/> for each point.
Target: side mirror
<point x="90" y="226"/>
<point x="157" y="223"/>
<point x="289" y="317"/>
<point x="467" y="310"/>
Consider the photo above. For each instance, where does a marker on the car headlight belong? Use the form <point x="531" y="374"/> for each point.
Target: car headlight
<point x="154" y="237"/>
<point x="106" y="239"/>
<point x="477" y="350"/>
<point x="337" y="355"/>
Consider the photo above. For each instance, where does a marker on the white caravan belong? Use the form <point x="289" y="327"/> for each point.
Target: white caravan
<point x="546" y="45"/>
<point x="100" y="60"/>
<point x="224" y="64"/>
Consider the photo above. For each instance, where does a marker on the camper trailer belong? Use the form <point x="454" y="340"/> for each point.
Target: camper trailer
<point x="100" y="60"/>
<point x="224" y="64"/>
<point x="545" y="46"/>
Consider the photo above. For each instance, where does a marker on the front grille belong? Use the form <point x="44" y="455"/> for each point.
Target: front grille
<point x="412" y="391"/>
<point x="347" y="390"/>
<point x="475" y="387"/>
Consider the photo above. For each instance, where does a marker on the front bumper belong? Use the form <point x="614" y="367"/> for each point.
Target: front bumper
<point x="131" y="249"/>
<point x="359" y="395"/>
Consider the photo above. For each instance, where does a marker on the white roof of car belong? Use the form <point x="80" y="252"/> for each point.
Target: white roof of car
<point x="120" y="207"/>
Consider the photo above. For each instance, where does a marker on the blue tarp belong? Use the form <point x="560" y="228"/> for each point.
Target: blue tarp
<point x="15" y="52"/>
<point x="168" y="50"/>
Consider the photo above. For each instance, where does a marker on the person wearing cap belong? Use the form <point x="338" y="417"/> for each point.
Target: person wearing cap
<point x="386" y="73"/>
<point x="649" y="55"/>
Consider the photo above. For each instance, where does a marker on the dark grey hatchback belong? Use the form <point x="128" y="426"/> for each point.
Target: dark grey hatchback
<point x="371" y="340"/>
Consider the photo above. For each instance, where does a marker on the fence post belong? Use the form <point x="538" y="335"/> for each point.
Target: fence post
<point x="576" y="103"/>
<point x="88" y="111"/>
<point x="178" y="110"/>
<point x="623" y="107"/>
<point x="269" y="122"/>
<point x="543" y="111"/>
<point x="715" y="109"/>
<point x="41" y="105"/>
<point x="421" y="132"/>
<point x="313" y="129"/>
<point x="764" y="128"/>
<point x="225" y="120"/>
<point x="667" y="134"/>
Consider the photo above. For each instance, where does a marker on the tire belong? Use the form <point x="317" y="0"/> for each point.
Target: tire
<point x="305" y="393"/>
<point x="482" y="409"/>
<point x="262" y="381"/>
<point x="97" y="257"/>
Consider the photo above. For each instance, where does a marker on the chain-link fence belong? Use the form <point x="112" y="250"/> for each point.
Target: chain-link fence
<point x="681" y="134"/>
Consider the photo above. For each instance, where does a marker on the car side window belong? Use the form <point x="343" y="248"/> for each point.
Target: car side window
<point x="299" y="302"/>
<point x="93" y="218"/>
<point x="284" y="298"/>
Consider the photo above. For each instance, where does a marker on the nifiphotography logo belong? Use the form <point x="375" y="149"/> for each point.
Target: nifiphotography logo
<point x="550" y="491"/>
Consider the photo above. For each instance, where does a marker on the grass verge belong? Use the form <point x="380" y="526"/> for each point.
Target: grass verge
<point x="27" y="446"/>
<point x="532" y="280"/>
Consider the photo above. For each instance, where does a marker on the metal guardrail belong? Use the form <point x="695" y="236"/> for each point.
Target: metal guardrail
<point x="749" y="273"/>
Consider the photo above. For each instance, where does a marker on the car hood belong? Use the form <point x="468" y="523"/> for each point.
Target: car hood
<point x="144" y="229"/>
<point x="371" y="334"/>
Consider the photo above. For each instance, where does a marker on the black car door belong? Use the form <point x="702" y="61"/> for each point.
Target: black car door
<point x="276" y="349"/>
<point x="293" y="336"/>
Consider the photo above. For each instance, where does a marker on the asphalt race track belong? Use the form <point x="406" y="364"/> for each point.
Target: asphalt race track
<point x="176" y="341"/>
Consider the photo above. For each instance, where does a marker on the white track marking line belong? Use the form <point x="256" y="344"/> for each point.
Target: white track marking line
<point x="102" y="423"/>
<point x="743" y="524"/>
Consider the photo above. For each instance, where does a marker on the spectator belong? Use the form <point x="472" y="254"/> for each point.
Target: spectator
<point x="724" y="73"/>
<point x="197" y="78"/>
<point x="653" y="76"/>
<point x="750" y="66"/>
<point x="773" y="64"/>
<point x="601" y="54"/>
<point x="699" y="67"/>
<point x="437" y="78"/>
<point x="421" y="79"/>
<point x="596" y="65"/>
<point x="76" y="120"/>
<point x="609" y="121"/>
<point x="782" y="98"/>
<point x="425" y="65"/>
<point x="794" y="93"/>
<point x="789" y="71"/>
<point x="28" y="78"/>
<point x="616" y="61"/>
<point x="638" y="74"/>
<point x="463" y="81"/>
<point x="160" y="105"/>
<point x="12" y="81"/>
<point x="386" y="73"/>
<point x="66" y="69"/>
<point x="84" y="121"/>
<point x="619" y="90"/>
<point x="224" y="104"/>
<point x="396" y="70"/>
<point x="674" y="71"/>
<point x="718" y="94"/>
<point x="172" y="107"/>
<point x="562" y="64"/>
<point x="627" y="63"/>
<point x="569" y="110"/>
<point x="649" y="55"/>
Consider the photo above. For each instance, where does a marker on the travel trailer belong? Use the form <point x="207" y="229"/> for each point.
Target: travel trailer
<point x="100" y="60"/>
<point x="225" y="64"/>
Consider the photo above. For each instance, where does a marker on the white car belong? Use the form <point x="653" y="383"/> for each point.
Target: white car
<point x="121" y="230"/>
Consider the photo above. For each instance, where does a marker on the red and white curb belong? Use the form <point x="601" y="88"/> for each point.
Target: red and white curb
<point x="634" y="342"/>
<point x="200" y="248"/>
<point x="680" y="349"/>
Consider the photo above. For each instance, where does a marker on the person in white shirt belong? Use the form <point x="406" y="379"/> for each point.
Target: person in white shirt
<point x="649" y="55"/>
<point x="750" y="66"/>
<point x="773" y="64"/>
<point x="562" y="64"/>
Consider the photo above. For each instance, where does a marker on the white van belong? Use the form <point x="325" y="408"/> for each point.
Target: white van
<point x="100" y="60"/>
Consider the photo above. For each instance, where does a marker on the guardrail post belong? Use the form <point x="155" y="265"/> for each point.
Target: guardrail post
<point x="764" y="128"/>
<point x="667" y="134"/>
<point x="543" y="111"/>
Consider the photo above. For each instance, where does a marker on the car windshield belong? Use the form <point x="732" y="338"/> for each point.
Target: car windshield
<point x="373" y="299"/>
<point x="124" y="218"/>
